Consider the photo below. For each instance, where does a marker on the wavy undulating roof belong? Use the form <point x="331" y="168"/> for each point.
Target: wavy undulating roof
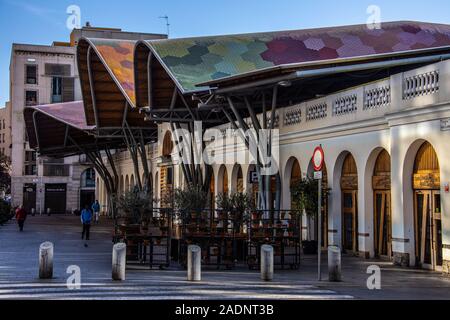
<point x="194" y="61"/>
<point x="70" y="113"/>
<point x="118" y="56"/>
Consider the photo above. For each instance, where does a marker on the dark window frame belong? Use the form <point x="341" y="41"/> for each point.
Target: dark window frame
<point x="36" y="76"/>
<point x="25" y="97"/>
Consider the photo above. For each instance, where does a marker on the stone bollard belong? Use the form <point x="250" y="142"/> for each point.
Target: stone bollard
<point x="334" y="264"/>
<point x="119" y="261"/>
<point x="194" y="263"/>
<point x="46" y="260"/>
<point x="266" y="263"/>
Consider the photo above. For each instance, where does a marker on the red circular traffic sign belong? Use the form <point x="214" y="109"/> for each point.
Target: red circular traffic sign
<point x="318" y="159"/>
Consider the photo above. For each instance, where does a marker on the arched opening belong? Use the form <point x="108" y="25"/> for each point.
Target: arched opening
<point x="427" y="208"/>
<point x="127" y="183"/>
<point x="349" y="187"/>
<point x="121" y="185"/>
<point x="132" y="182"/>
<point x="237" y="184"/>
<point x="87" y="188"/>
<point x="252" y="179"/>
<point x="381" y="185"/>
<point x="293" y="174"/>
<point x="156" y="194"/>
<point x="212" y="192"/>
<point x="167" y="145"/>
<point x="254" y="188"/>
<point x="166" y="172"/>
<point x="223" y="180"/>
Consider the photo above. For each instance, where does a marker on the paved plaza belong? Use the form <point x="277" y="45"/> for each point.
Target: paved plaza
<point x="19" y="273"/>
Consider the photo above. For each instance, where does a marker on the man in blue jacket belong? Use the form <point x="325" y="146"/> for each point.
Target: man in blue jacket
<point x="86" y="219"/>
<point x="96" y="209"/>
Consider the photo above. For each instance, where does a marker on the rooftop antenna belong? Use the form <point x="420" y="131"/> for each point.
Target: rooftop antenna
<point x="167" y="23"/>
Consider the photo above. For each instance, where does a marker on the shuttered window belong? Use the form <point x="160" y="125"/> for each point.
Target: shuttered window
<point x="68" y="90"/>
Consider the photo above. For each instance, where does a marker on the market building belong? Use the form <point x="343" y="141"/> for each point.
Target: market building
<point x="377" y="101"/>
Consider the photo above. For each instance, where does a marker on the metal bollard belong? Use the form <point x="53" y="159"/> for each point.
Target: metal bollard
<point x="46" y="260"/>
<point x="266" y="263"/>
<point x="119" y="261"/>
<point x="334" y="264"/>
<point x="194" y="263"/>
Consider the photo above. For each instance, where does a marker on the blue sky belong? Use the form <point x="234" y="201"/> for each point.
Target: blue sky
<point x="43" y="21"/>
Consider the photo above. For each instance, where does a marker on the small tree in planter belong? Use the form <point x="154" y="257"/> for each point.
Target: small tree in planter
<point x="191" y="202"/>
<point x="235" y="207"/>
<point x="305" y="199"/>
<point x="134" y="207"/>
<point x="242" y="204"/>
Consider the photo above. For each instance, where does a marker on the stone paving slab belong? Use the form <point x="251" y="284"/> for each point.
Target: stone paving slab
<point x="19" y="273"/>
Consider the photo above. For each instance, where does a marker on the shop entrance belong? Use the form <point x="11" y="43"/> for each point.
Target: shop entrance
<point x="381" y="183"/>
<point x="427" y="204"/>
<point x="349" y="187"/>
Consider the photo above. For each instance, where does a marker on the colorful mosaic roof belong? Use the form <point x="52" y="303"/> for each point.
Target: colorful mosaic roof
<point x="193" y="61"/>
<point x="118" y="56"/>
<point x="71" y="113"/>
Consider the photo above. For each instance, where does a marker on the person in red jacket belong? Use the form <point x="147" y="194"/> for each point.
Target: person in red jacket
<point x="21" y="216"/>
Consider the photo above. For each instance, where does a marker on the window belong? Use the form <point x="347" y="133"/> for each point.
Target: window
<point x="88" y="178"/>
<point x="31" y="98"/>
<point x="62" y="70"/>
<point x="31" y="74"/>
<point x="56" y="89"/>
<point x="4" y="126"/>
<point x="62" y="82"/>
<point x="62" y="90"/>
<point x="3" y="138"/>
<point x="56" y="170"/>
<point x="31" y="170"/>
<point x="30" y="156"/>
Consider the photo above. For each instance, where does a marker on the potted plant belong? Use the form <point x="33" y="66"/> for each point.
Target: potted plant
<point x="134" y="210"/>
<point x="191" y="202"/>
<point x="305" y="199"/>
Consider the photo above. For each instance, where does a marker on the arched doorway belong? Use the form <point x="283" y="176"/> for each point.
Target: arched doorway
<point x="237" y="179"/>
<point x="156" y="195"/>
<point x="427" y="204"/>
<point x="121" y="186"/>
<point x="296" y="176"/>
<point x="132" y="183"/>
<point x="212" y="192"/>
<point x="127" y="184"/>
<point x="223" y="180"/>
<point x="381" y="184"/>
<point x="349" y="187"/>
<point x="166" y="172"/>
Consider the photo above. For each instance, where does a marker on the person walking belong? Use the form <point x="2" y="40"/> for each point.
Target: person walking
<point x="96" y="209"/>
<point x="21" y="216"/>
<point x="86" y="219"/>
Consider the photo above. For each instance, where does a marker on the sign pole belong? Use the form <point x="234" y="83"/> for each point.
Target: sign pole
<point x="318" y="161"/>
<point x="319" y="228"/>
